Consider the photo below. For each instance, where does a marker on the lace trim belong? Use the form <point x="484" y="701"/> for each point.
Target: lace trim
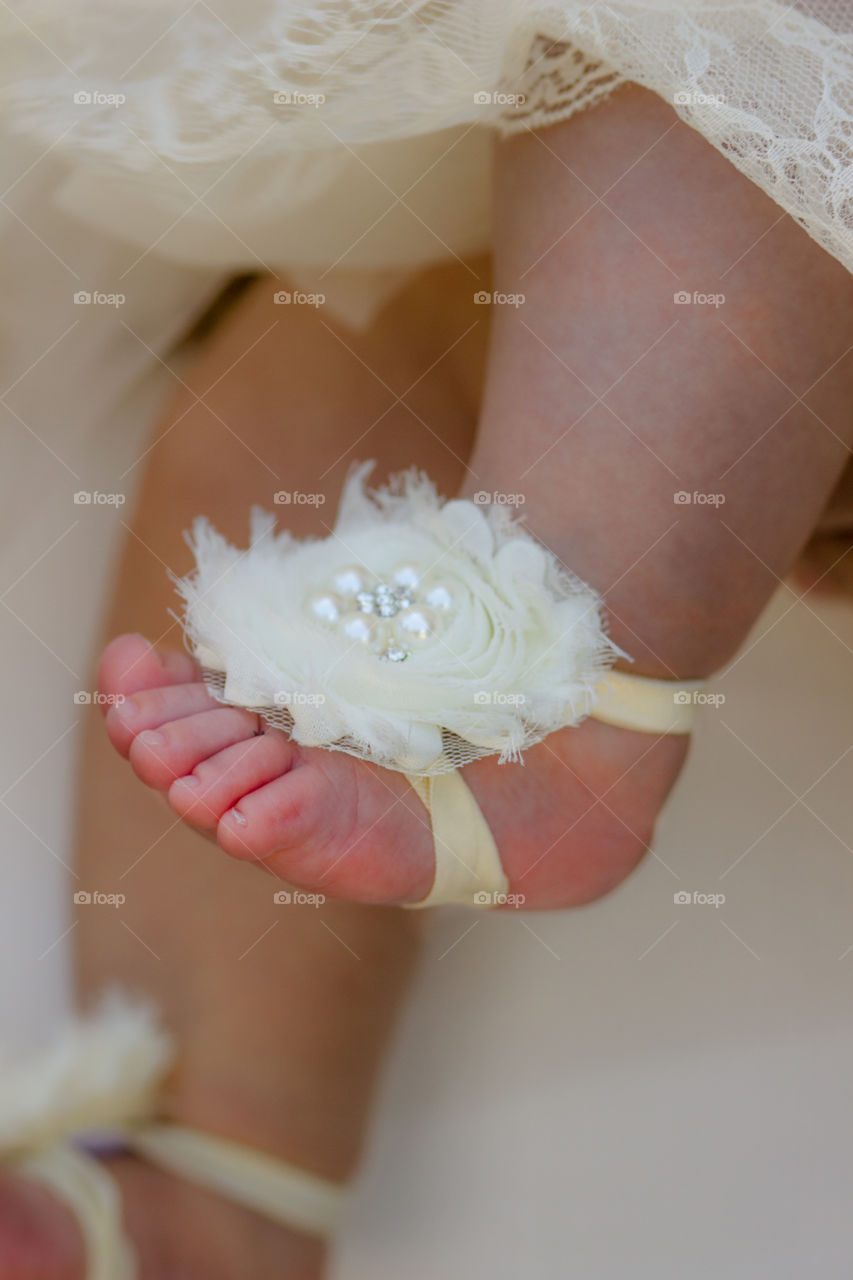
<point x="230" y="84"/>
<point x="558" y="80"/>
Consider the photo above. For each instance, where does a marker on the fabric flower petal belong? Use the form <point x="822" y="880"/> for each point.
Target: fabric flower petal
<point x="420" y="634"/>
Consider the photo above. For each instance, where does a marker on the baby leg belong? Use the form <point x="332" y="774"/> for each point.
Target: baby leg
<point x="672" y="402"/>
<point x="281" y="1012"/>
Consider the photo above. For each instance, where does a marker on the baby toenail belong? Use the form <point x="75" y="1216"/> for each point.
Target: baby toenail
<point x="151" y="738"/>
<point x="189" y="781"/>
<point x="127" y="708"/>
<point x="239" y="818"/>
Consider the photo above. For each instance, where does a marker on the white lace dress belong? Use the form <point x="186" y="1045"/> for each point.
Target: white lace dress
<point x="320" y="134"/>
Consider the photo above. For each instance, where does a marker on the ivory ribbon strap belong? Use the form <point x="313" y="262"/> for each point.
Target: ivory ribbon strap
<point x="92" y="1195"/>
<point x="285" y="1194"/>
<point x="645" y="704"/>
<point x="468" y="870"/>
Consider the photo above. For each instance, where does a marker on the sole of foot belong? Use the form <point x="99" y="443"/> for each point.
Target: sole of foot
<point x="571" y="824"/>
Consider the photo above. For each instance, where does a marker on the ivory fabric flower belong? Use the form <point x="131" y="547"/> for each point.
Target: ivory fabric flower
<point x="102" y="1071"/>
<point x="420" y="634"/>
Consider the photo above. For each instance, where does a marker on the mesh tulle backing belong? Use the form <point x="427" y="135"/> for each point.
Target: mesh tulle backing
<point x="455" y="754"/>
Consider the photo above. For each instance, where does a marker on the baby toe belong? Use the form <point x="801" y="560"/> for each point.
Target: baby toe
<point x="218" y="783"/>
<point x="285" y="812"/>
<point x="160" y="756"/>
<point x="343" y="829"/>
<point x="151" y="708"/>
<point x="130" y="664"/>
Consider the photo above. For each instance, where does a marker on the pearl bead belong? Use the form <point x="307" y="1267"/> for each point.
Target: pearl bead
<point x="415" y="624"/>
<point x="362" y="607"/>
<point x="394" y="654"/>
<point x="360" y="628"/>
<point x="349" y="580"/>
<point x="406" y="575"/>
<point x="438" y="596"/>
<point x="325" y="607"/>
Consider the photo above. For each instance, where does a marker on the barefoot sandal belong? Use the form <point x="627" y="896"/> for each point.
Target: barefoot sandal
<point x="96" y="1090"/>
<point x="420" y="635"/>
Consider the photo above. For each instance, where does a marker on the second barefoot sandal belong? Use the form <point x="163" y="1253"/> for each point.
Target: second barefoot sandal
<point x="99" y="1090"/>
<point x="420" y="635"/>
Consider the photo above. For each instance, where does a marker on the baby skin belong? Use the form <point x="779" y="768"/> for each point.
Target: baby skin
<point x="603" y="401"/>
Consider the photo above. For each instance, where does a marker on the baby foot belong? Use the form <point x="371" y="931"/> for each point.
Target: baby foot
<point x="570" y="824"/>
<point x="39" y="1239"/>
<point x="176" y="1229"/>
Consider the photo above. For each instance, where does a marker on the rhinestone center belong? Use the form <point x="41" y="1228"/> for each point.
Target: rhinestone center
<point x="391" y="617"/>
